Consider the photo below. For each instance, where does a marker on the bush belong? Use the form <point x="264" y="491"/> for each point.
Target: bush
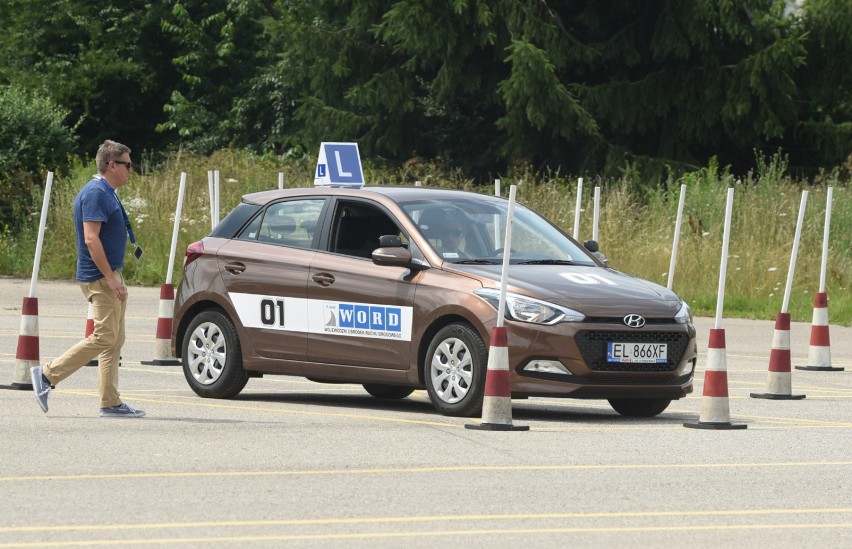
<point x="33" y="135"/>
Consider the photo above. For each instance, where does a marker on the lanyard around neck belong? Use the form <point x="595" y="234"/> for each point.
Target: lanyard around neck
<point x="123" y="212"/>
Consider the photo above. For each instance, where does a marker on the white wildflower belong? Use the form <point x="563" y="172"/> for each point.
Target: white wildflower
<point x="136" y="203"/>
<point x="772" y="269"/>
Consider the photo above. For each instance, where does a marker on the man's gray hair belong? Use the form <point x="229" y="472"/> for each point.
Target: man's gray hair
<point x="108" y="151"/>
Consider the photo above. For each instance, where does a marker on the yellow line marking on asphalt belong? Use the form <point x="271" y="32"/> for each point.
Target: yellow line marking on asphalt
<point x="419" y="519"/>
<point x="433" y="533"/>
<point x="426" y="470"/>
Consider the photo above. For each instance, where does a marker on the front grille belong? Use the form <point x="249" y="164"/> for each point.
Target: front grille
<point x="619" y="320"/>
<point x="592" y="344"/>
<point x="609" y="380"/>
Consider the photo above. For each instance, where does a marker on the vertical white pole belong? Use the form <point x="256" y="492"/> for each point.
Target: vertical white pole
<point x="824" y="264"/>
<point x="212" y="199"/>
<point x="678" y="221"/>
<point x="216" y="192"/>
<point x="723" y="268"/>
<point x="507" y="247"/>
<point x="595" y="217"/>
<point x="42" y="223"/>
<point x="496" y="216"/>
<point x="791" y="270"/>
<point x="577" y="209"/>
<point x="176" y="229"/>
<point x="280" y="180"/>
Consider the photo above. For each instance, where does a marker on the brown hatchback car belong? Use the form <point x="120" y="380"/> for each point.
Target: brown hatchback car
<point x="397" y="288"/>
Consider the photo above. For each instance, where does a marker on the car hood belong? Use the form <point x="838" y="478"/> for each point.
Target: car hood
<point x="593" y="291"/>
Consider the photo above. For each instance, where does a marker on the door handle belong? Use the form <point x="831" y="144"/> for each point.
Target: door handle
<point x="235" y="267"/>
<point x="323" y="279"/>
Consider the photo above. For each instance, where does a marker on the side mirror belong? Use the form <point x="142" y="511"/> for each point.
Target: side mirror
<point x="592" y="246"/>
<point x="394" y="257"/>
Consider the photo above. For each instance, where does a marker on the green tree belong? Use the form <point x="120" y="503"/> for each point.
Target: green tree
<point x="220" y="49"/>
<point x="823" y="134"/>
<point x="583" y="85"/>
<point x="105" y="62"/>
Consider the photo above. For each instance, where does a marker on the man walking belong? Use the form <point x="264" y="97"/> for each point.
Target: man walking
<point x="102" y="227"/>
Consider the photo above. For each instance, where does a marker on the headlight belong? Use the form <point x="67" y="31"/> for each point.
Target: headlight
<point x="527" y="309"/>
<point x="684" y="314"/>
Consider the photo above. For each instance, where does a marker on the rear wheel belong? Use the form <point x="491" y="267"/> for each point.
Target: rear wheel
<point x="455" y="369"/>
<point x="639" y="407"/>
<point x="212" y="358"/>
<point x="390" y="392"/>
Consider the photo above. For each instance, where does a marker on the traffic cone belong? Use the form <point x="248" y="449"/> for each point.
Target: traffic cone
<point x="778" y="386"/>
<point x="819" y="353"/>
<point x="715" y="413"/>
<point x="90" y="328"/>
<point x="27" y="355"/>
<point x="162" y="350"/>
<point x="497" y="403"/>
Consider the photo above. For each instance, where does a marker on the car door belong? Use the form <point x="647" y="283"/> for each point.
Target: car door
<point x="265" y="272"/>
<point x="360" y="313"/>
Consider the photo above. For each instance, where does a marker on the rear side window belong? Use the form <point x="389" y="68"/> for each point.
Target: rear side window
<point x="235" y="220"/>
<point x="289" y="223"/>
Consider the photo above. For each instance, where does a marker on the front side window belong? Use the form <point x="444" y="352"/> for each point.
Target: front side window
<point x="358" y="226"/>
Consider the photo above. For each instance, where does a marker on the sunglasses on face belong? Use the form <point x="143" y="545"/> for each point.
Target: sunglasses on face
<point x="128" y="165"/>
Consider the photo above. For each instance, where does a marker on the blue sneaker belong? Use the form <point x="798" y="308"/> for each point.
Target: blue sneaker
<point x="122" y="410"/>
<point x="41" y="387"/>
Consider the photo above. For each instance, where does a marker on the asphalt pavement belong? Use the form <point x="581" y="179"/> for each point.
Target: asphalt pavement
<point x="296" y="463"/>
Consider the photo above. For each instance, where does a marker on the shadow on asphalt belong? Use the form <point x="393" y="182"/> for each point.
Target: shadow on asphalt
<point x="521" y="410"/>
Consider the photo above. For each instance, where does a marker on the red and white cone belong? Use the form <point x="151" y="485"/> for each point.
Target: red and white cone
<point x="819" y="353"/>
<point x="27" y="353"/>
<point x="779" y="384"/>
<point x="162" y="350"/>
<point x="497" y="403"/>
<point x="90" y="328"/>
<point x="715" y="412"/>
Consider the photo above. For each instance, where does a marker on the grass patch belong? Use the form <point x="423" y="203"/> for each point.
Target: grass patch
<point x="635" y="227"/>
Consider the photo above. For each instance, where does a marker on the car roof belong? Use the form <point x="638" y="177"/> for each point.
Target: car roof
<point x="395" y="193"/>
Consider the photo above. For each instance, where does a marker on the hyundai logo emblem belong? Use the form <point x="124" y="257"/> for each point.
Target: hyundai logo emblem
<point x="634" y="321"/>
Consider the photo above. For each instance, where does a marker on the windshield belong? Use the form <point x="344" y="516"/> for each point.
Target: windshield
<point x="472" y="230"/>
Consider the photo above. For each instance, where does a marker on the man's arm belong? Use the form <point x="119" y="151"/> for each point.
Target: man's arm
<point x="92" y="237"/>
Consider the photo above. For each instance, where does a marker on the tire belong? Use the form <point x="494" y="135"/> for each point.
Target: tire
<point x="639" y="407"/>
<point x="389" y="392"/>
<point x="454" y="370"/>
<point x="212" y="358"/>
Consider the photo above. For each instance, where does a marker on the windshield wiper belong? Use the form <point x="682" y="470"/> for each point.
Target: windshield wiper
<point x="546" y="262"/>
<point x="477" y="262"/>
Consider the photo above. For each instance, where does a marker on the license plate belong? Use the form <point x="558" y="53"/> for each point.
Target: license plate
<point x="636" y="352"/>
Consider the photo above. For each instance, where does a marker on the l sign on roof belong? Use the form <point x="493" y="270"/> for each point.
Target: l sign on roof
<point x="339" y="165"/>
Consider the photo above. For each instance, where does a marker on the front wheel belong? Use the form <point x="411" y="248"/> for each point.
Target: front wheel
<point x="212" y="358"/>
<point x="455" y="370"/>
<point x="639" y="407"/>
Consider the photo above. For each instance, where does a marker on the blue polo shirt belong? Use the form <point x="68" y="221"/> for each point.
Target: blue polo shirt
<point x="96" y="202"/>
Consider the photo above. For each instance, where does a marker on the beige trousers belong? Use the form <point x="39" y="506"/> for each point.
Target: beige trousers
<point x="105" y="342"/>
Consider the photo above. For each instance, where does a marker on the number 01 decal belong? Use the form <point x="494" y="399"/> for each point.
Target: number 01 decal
<point x="272" y="312"/>
<point x="592" y="278"/>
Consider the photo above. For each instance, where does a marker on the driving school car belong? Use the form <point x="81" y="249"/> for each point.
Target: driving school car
<point x="397" y="289"/>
